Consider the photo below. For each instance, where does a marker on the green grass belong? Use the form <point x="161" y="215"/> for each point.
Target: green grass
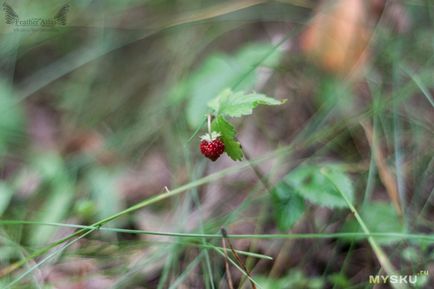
<point x="128" y="88"/>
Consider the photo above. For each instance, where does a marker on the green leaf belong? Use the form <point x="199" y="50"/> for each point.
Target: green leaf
<point x="236" y="104"/>
<point x="104" y="192"/>
<point x="5" y="196"/>
<point x="310" y="183"/>
<point x="339" y="280"/>
<point x="227" y="135"/>
<point x="379" y="217"/>
<point x="85" y="209"/>
<point x="58" y="192"/>
<point x="220" y="71"/>
<point x="11" y="118"/>
<point x="294" y="279"/>
<point x="332" y="91"/>
<point x="288" y="207"/>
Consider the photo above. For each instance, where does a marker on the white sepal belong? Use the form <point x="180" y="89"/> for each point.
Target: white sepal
<point x="209" y="137"/>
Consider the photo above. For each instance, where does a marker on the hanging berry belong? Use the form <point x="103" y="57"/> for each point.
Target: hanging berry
<point x="221" y="136"/>
<point x="212" y="146"/>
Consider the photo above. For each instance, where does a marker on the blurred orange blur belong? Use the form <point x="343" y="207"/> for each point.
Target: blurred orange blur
<point x="337" y="38"/>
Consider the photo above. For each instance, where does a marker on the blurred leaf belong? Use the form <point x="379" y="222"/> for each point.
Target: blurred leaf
<point x="58" y="198"/>
<point x="104" y="192"/>
<point x="334" y="91"/>
<point x="5" y="197"/>
<point x="288" y="207"/>
<point x="220" y="71"/>
<point x="259" y="54"/>
<point x="227" y="135"/>
<point x="310" y="183"/>
<point x="422" y="281"/>
<point x="85" y="209"/>
<point x="411" y="254"/>
<point x="339" y="280"/>
<point x="11" y="118"/>
<point x="380" y="217"/>
<point x="295" y="279"/>
<point x="236" y="104"/>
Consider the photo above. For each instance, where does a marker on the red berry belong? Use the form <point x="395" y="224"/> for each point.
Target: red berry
<point x="212" y="149"/>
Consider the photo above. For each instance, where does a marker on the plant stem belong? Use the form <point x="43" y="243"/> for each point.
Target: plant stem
<point x="381" y="256"/>
<point x="209" y="125"/>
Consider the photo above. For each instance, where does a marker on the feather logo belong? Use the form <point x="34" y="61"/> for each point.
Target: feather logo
<point x="60" y="16"/>
<point x="12" y="18"/>
<point x="10" y="15"/>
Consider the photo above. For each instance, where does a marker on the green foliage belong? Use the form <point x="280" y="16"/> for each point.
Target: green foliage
<point x="218" y="75"/>
<point x="85" y="209"/>
<point x="412" y="254"/>
<point x="379" y="217"/>
<point x="99" y="97"/>
<point x="318" y="184"/>
<point x="295" y="279"/>
<point x="332" y="91"/>
<point x="59" y="195"/>
<point x="228" y="136"/>
<point x="220" y="71"/>
<point x="288" y="207"/>
<point x="236" y="104"/>
<point x="11" y="118"/>
<point x="104" y="192"/>
<point x="422" y="281"/>
<point x="339" y="280"/>
<point x="5" y="196"/>
<point x="309" y="182"/>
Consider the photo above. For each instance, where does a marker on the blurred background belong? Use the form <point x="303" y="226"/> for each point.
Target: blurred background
<point x="101" y="107"/>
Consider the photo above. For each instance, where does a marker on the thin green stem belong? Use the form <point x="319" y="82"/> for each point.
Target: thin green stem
<point x="381" y="256"/>
<point x="425" y="237"/>
<point x="237" y="266"/>
<point x="209" y="125"/>
<point x="47" y="258"/>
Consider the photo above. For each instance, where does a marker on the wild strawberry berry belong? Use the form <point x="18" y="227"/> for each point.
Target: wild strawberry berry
<point x="212" y="146"/>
